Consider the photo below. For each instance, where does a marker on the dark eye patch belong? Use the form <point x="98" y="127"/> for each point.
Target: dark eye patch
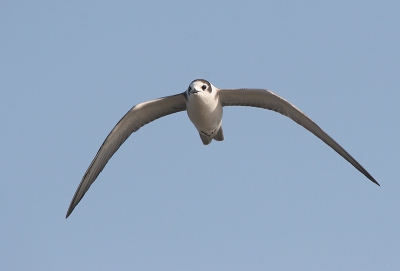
<point x="204" y="87"/>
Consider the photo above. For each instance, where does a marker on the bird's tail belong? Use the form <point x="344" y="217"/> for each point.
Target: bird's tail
<point x="220" y="135"/>
<point x="205" y="138"/>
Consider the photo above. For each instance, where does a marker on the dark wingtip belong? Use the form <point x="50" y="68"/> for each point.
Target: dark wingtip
<point x="373" y="180"/>
<point x="69" y="212"/>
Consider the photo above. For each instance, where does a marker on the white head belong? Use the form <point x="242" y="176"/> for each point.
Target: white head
<point x="200" y="87"/>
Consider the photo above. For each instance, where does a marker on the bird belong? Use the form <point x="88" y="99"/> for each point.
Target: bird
<point x="204" y="104"/>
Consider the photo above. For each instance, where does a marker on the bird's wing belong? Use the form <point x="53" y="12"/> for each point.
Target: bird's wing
<point x="268" y="100"/>
<point x="138" y="116"/>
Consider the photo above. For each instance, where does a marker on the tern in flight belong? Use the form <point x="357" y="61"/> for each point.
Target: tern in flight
<point x="203" y="103"/>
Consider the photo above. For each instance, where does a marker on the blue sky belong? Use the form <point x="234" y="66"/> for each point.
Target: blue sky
<point x="270" y="197"/>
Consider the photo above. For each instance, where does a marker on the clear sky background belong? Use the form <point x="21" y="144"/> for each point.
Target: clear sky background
<point x="271" y="196"/>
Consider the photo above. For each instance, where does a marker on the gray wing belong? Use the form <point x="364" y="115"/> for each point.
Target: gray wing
<point x="138" y="116"/>
<point x="268" y="100"/>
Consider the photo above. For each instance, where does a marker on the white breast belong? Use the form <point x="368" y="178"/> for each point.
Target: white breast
<point x="205" y="111"/>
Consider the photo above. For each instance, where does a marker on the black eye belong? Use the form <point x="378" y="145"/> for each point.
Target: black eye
<point x="204" y="87"/>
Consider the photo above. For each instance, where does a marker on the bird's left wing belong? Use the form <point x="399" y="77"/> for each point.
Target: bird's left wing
<point x="134" y="119"/>
<point x="268" y="100"/>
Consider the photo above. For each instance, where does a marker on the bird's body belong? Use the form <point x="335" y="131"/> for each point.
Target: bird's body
<point x="205" y="110"/>
<point x="204" y="105"/>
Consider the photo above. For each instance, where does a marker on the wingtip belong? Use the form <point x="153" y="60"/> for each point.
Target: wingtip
<point x="69" y="212"/>
<point x="373" y="180"/>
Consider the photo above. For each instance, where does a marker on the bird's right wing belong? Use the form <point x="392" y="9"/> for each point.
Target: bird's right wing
<point x="134" y="119"/>
<point x="266" y="99"/>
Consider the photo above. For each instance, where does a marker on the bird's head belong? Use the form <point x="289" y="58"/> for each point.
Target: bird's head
<point x="198" y="87"/>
